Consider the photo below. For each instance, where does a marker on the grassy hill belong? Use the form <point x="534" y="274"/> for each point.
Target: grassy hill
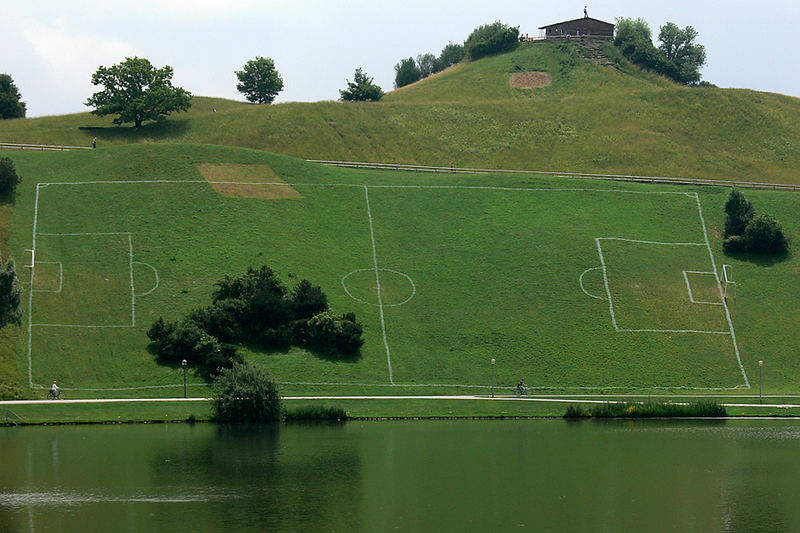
<point x="572" y="285"/>
<point x="591" y="118"/>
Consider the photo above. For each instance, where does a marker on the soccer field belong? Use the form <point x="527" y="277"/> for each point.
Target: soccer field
<point x="589" y="287"/>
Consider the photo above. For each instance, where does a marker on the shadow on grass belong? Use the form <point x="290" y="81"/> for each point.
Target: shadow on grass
<point x="764" y="260"/>
<point x="162" y="129"/>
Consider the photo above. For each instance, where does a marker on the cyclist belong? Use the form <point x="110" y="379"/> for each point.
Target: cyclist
<point x="55" y="392"/>
<point x="521" y="388"/>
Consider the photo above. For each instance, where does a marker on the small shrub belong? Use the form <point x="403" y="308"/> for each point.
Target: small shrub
<point x="738" y="212"/>
<point x="765" y="235"/>
<point x="657" y="409"/>
<point x="329" y="333"/>
<point x="307" y="300"/>
<point x="491" y="39"/>
<point x="316" y="412"/>
<point x="245" y="393"/>
<point x="576" y="411"/>
<point x="734" y="244"/>
<point x="9" y="179"/>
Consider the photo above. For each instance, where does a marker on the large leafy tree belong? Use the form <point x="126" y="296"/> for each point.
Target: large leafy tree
<point x="361" y="89"/>
<point x="259" y="81"/>
<point x="679" y="46"/>
<point x="136" y="91"/>
<point x="10" y="104"/>
<point x="10" y="294"/>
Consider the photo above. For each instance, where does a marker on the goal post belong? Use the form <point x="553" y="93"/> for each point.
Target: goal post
<point x="727" y="279"/>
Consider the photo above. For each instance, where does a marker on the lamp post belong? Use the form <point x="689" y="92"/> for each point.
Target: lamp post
<point x="760" y="379"/>
<point x="183" y="364"/>
<point x="493" y="362"/>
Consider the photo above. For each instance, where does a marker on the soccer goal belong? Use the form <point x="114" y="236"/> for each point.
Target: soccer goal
<point x="727" y="280"/>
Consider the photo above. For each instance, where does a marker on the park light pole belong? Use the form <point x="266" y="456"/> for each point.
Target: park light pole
<point x="493" y="362"/>
<point x="183" y="364"/>
<point x="760" y="379"/>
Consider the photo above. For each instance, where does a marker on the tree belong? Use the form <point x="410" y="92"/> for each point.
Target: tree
<point x="628" y="30"/>
<point x="765" y="235"/>
<point x="451" y="54"/>
<point x="679" y="46"/>
<point x="259" y="81"/>
<point x="136" y="91"/>
<point x="426" y="63"/>
<point x="245" y="393"/>
<point x="491" y="39"/>
<point x="10" y="294"/>
<point x="738" y="212"/>
<point x="361" y="89"/>
<point x="9" y="179"/>
<point x="10" y="104"/>
<point x="406" y="72"/>
<point x="307" y="300"/>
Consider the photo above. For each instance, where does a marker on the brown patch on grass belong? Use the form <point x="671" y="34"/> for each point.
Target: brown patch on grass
<point x="246" y="181"/>
<point x="530" y="80"/>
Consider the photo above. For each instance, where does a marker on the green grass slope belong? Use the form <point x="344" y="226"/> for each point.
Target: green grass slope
<point x="592" y="118"/>
<point x="471" y="267"/>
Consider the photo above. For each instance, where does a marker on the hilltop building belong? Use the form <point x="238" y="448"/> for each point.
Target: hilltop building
<point x="585" y="26"/>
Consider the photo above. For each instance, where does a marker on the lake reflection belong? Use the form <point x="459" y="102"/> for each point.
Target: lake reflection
<point x="542" y="475"/>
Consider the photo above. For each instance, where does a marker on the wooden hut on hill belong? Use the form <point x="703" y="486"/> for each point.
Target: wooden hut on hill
<point x="583" y="27"/>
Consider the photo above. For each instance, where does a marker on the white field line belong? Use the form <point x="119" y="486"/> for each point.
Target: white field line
<point x="580" y="280"/>
<point x="378" y="281"/>
<point x="133" y="290"/>
<point x="154" y="272"/>
<point x="60" y="276"/>
<point x="719" y="287"/>
<point x="689" y="286"/>
<point x="30" y="292"/>
<point x="605" y="280"/>
<point x="356" y="298"/>
<point x="652" y="242"/>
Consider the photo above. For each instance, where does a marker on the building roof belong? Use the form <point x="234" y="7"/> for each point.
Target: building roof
<point x="575" y="20"/>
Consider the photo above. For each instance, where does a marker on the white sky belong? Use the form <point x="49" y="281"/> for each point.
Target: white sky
<point x="51" y="48"/>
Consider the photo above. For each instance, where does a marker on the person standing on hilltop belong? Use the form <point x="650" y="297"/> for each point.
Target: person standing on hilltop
<point x="585" y="13"/>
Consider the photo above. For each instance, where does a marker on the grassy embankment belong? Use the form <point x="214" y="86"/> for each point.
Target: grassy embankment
<point x="591" y="118"/>
<point x="497" y="274"/>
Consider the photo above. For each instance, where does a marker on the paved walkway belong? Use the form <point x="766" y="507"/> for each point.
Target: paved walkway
<point x="453" y="397"/>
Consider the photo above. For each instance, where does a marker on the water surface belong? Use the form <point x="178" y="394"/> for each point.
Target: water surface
<point x="538" y="475"/>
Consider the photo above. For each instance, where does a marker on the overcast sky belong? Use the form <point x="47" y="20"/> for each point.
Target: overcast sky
<point x="51" y="48"/>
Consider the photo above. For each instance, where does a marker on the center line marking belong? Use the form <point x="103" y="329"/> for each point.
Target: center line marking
<point x="378" y="282"/>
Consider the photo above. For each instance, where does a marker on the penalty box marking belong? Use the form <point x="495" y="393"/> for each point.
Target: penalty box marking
<point x="689" y="286"/>
<point x="611" y="302"/>
<point x="366" y="191"/>
<point x="60" y="276"/>
<point x="130" y="266"/>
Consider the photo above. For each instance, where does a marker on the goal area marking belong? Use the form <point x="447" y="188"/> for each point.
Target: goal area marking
<point x="377" y="269"/>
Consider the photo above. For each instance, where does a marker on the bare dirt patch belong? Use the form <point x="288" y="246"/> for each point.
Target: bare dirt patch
<point x="530" y="80"/>
<point x="246" y="181"/>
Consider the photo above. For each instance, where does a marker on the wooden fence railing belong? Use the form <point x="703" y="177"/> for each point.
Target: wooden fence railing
<point x="41" y="147"/>
<point x="580" y="175"/>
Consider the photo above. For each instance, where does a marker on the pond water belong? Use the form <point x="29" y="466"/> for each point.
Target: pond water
<point x="535" y="475"/>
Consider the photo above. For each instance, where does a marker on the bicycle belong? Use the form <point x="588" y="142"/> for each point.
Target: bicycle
<point x="55" y="395"/>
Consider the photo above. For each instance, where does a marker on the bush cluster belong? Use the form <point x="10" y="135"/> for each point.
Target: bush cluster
<point x="491" y="39"/>
<point x="745" y="231"/>
<point x="407" y="71"/>
<point x="678" y="57"/>
<point x="257" y="309"/>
